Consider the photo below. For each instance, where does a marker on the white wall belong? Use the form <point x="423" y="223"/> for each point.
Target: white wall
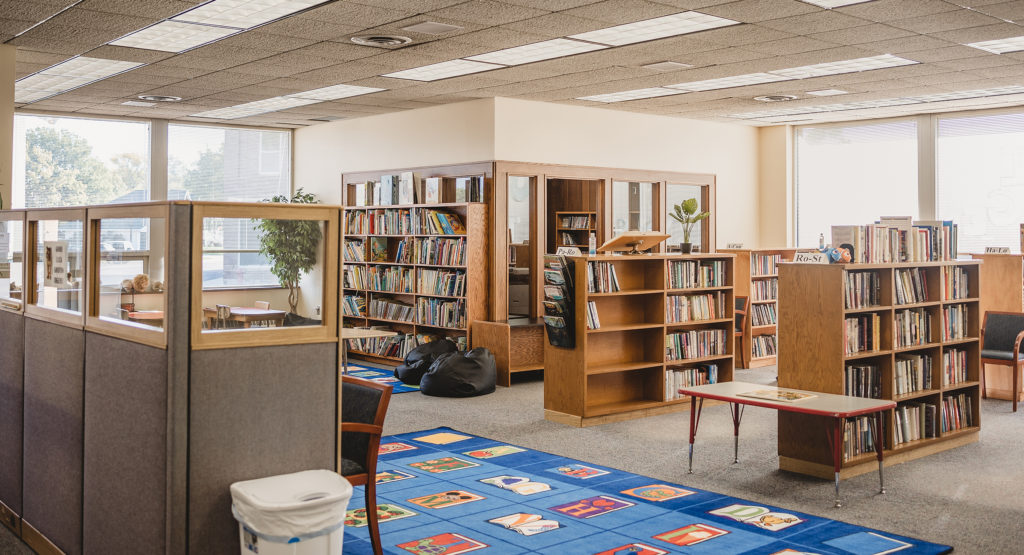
<point x="530" y="131"/>
<point x="775" y="164"/>
<point x="6" y="120"/>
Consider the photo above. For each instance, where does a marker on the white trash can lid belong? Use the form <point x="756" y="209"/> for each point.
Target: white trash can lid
<point x="292" y="504"/>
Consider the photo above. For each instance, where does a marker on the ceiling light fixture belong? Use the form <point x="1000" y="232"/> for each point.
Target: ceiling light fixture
<point x="381" y="40"/>
<point x="335" y="92"/>
<point x="537" y="51"/>
<point x="826" y="92"/>
<point x="173" y="36"/>
<point x="728" y="82"/>
<point x="244" y="14"/>
<point x="67" y="75"/>
<point x="829" y="4"/>
<point x="138" y="104"/>
<point x="999" y="46"/>
<point x="159" y="98"/>
<point x="635" y="94"/>
<point x="666" y="66"/>
<point x="844" y="66"/>
<point x="443" y="70"/>
<point x="285" y="102"/>
<point x="431" y="28"/>
<point x="656" y="28"/>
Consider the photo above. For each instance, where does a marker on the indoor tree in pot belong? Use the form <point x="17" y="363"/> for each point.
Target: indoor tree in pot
<point x="686" y="214"/>
<point x="290" y="245"/>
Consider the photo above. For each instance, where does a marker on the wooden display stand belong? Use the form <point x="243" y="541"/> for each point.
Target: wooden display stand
<point x="750" y="266"/>
<point x="618" y="372"/>
<point x="580" y="235"/>
<point x="517" y="345"/>
<point x="1002" y="278"/>
<point x="812" y="356"/>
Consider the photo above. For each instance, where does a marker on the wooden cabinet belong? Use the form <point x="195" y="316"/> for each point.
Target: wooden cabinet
<point x="1002" y="289"/>
<point x="908" y="332"/>
<point x="650" y="341"/>
<point x="573" y="229"/>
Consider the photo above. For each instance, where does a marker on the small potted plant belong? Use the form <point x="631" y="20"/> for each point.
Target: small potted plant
<point x="686" y="214"/>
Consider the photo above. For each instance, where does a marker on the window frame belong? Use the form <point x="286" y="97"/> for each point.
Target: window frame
<point x="7" y="304"/>
<point x="30" y="296"/>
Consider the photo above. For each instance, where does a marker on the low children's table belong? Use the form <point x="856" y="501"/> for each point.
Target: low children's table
<point x="837" y="407"/>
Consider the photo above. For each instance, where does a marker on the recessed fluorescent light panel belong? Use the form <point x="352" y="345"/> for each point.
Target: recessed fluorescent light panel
<point x="977" y="93"/>
<point x="657" y="28"/>
<point x="535" y="52"/>
<point x="835" y="3"/>
<point x="827" y="92"/>
<point x="67" y="75"/>
<point x="293" y="100"/>
<point x="243" y="14"/>
<point x="443" y="70"/>
<point x="667" y="66"/>
<point x="172" y="36"/>
<point x="729" y="82"/>
<point x="844" y="66"/>
<point x="1000" y="46"/>
<point x="335" y="92"/>
<point x="138" y="103"/>
<point x="636" y="94"/>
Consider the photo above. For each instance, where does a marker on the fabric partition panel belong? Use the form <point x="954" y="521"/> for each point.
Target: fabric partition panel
<point x="54" y="364"/>
<point x="254" y="412"/>
<point x="12" y="388"/>
<point x="125" y="474"/>
<point x="178" y="273"/>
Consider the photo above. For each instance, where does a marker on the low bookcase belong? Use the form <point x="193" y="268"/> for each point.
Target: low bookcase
<point x="623" y="369"/>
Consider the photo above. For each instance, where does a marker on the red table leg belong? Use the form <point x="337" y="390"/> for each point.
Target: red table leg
<point x="879" y="445"/>
<point x="696" y="404"/>
<point x="737" y="415"/>
<point x="835" y="440"/>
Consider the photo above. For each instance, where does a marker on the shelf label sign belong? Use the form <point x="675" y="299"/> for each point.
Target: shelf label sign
<point x="568" y="251"/>
<point x="997" y="250"/>
<point x="811" y="257"/>
<point x="734" y="245"/>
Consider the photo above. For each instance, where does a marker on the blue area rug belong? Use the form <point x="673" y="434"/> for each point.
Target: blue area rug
<point x="382" y="376"/>
<point x="443" y="492"/>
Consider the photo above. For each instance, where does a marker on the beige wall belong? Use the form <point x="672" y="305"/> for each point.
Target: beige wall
<point x="6" y="120"/>
<point x="775" y="165"/>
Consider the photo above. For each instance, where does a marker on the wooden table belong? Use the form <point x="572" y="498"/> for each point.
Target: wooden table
<point x="246" y="315"/>
<point x="150" y="317"/>
<point x="837" y="407"/>
<point x="358" y="333"/>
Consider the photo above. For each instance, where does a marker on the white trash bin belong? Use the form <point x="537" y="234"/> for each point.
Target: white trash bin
<point x="292" y="514"/>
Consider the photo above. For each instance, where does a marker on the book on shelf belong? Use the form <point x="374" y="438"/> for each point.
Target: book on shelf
<point x="390" y="221"/>
<point x="763" y="315"/>
<point x="355" y="277"/>
<point x="447" y="283"/>
<point x="954" y="366"/>
<point x="391" y="279"/>
<point x="360" y="193"/>
<point x="432" y="190"/>
<point x="403" y="253"/>
<point x="687" y="308"/>
<point x="956" y="412"/>
<point x="896" y="239"/>
<point x="441" y="251"/>
<point x="913" y="421"/>
<point x="558" y="300"/>
<point x="354" y="250"/>
<point x="858" y="437"/>
<point x="408" y="184"/>
<point x="354" y="306"/>
<point x="913" y="373"/>
<point x="388" y="190"/>
<point x="862" y="333"/>
<point x="911" y="286"/>
<point x="445" y="313"/>
<point x="469" y="189"/>
<point x="954" y="322"/>
<point x="956" y="283"/>
<point x="593" y="322"/>
<point x="390" y="309"/>
<point x="695" y="344"/>
<point x="777" y="395"/>
<point x="913" y="327"/>
<point x="575" y="222"/>
<point x="436" y="222"/>
<point x="762" y="346"/>
<point x="601" y="278"/>
<point x="378" y="249"/>
<point x="764" y="290"/>
<point x="764" y="264"/>
<point x="863" y="289"/>
<point x="678" y="378"/>
<point x="863" y="380"/>
<point x="688" y="274"/>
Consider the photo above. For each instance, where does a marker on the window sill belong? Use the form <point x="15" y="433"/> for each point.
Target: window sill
<point x="245" y="288"/>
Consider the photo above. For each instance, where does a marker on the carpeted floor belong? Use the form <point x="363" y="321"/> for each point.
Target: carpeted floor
<point x="385" y="376"/>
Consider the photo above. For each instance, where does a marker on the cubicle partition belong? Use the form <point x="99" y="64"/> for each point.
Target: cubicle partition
<point x="137" y="408"/>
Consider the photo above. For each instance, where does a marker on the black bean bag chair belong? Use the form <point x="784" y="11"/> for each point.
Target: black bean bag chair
<point x="418" y="361"/>
<point x="461" y="374"/>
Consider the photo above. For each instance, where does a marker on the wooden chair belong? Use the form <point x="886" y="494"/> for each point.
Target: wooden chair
<point x="740" y="313"/>
<point x="1001" y="336"/>
<point x="262" y="305"/>
<point x="364" y="404"/>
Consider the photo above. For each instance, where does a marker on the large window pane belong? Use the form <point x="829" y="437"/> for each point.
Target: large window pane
<point x="677" y="193"/>
<point x="231" y="255"/>
<point x="12" y="261"/>
<point x="632" y="206"/>
<point x="853" y="175"/>
<point x="980" y="179"/>
<point x="227" y="164"/>
<point x="59" y="264"/>
<point x="61" y="161"/>
<point x="130" y="272"/>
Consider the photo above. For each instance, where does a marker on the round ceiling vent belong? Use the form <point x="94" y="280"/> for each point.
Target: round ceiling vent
<point x="775" y="98"/>
<point x="381" y="40"/>
<point x="159" y="98"/>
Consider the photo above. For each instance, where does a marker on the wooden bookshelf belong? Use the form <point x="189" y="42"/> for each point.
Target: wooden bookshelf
<point x="619" y="371"/>
<point x="1002" y="289"/>
<point x="813" y="355"/>
<point x="474" y="267"/>
<point x="580" y="235"/>
<point x="754" y="268"/>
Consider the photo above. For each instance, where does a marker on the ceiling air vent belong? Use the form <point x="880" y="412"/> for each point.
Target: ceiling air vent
<point x="383" y="41"/>
<point x="159" y="98"/>
<point x="775" y="98"/>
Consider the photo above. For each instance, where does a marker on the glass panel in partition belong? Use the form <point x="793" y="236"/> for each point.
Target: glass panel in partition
<point x="12" y="261"/>
<point x="632" y="206"/>
<point x="520" y="263"/>
<point x="262" y="273"/>
<point x="131" y="271"/>
<point x="59" y="264"/>
<point x="677" y="193"/>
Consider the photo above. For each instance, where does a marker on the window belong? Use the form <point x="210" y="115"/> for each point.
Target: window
<point x="12" y="260"/>
<point x="854" y="174"/>
<point x="129" y="280"/>
<point x="979" y="178"/>
<point x="227" y="163"/>
<point x="677" y="194"/>
<point x="632" y="206"/>
<point x="63" y="161"/>
<point x="59" y="260"/>
<point x="231" y="257"/>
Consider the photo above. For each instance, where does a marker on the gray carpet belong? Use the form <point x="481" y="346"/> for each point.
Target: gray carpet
<point x="969" y="497"/>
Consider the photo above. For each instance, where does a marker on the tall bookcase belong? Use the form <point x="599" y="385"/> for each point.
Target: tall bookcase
<point x="411" y="257"/>
<point x="757" y="277"/>
<point x="573" y="229"/>
<point x="1002" y="289"/>
<point x="814" y="330"/>
<point x="621" y="370"/>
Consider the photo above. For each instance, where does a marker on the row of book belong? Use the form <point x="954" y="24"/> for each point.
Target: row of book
<point x="445" y="313"/>
<point x="442" y="282"/>
<point x="389" y="309"/>
<point x="601" y="278"/>
<point x="954" y="366"/>
<point x="763" y="314"/>
<point x="898" y="239"/>
<point x="354" y="251"/>
<point x="409" y="188"/>
<point x="354" y="277"/>
<point x="764" y="290"/>
<point x="863" y="380"/>
<point x="353" y="305"/>
<point x="954" y="322"/>
<point x="955" y="283"/>
<point x="441" y="251"/>
<point x="687" y="274"/>
<point x="575" y="222"/>
<point x="571" y="241"/>
<point x="913" y="327"/>
<point x="914" y="421"/>
<point x="695" y="344"/>
<point x="858" y="437"/>
<point x="378" y="222"/>
<point x="394" y="346"/>
<point x="862" y="289"/>
<point x="956" y="412"/>
<point x="389" y="278"/>
<point x="862" y="333"/>
<point x="593" y="321"/>
<point x="559" y="320"/>
<point x="913" y="373"/>
<point x="911" y="286"/>
<point x="437" y="222"/>
<point x="687" y="308"/>
<point x="764" y="346"/>
<point x="677" y="378"/>
<point x="764" y="264"/>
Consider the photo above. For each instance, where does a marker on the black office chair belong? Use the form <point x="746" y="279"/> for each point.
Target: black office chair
<point x="364" y="404"/>
<point x="1001" y="336"/>
<point x="740" y="313"/>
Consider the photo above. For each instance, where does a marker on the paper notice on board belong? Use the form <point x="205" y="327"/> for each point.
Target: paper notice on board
<point x="55" y="266"/>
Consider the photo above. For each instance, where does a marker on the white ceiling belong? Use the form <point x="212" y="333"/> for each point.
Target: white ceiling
<point x="312" y="50"/>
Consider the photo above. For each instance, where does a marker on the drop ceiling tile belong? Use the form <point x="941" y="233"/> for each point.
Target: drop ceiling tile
<point x="90" y="19"/>
<point x="228" y="54"/>
<point x="497" y="38"/>
<point x="721" y="56"/>
<point x="528" y="72"/>
<point x="60" y="35"/>
<point x="180" y="89"/>
<point x="1015" y="70"/>
<point x="111" y="52"/>
<point x="976" y="63"/>
<point x="228" y="98"/>
<point x="28" y="11"/>
<point x="164" y="70"/>
<point x="270" y="70"/>
<point x="447" y="49"/>
<point x="395" y="28"/>
<point x="1000" y="30"/>
<point x="67" y="48"/>
<point x="261" y="90"/>
<point x="404" y="59"/>
<point x="260" y="41"/>
<point x="751" y="11"/>
<point x="873" y="32"/>
<point x="312" y="29"/>
<point x="487" y="12"/>
<point x="1011" y="11"/>
<point x="157" y="9"/>
<point x="136" y="78"/>
<point x="553" y="5"/>
<point x="815" y="22"/>
<point x="945" y="79"/>
<point x="11" y="27"/>
<point x="23" y="69"/>
<point x="946" y="53"/>
<point x="899" y="46"/>
<point x="223" y="80"/>
<point x="420" y="5"/>
<point x="888" y="10"/>
<point x="192" y="61"/>
<point x="789" y="46"/>
<point x="379" y="82"/>
<point x="343" y="73"/>
<point x="946" y="21"/>
<point x="734" y="35"/>
<point x="554" y="25"/>
<point x="337" y="51"/>
<point x="456" y="84"/>
<point x="29" y="55"/>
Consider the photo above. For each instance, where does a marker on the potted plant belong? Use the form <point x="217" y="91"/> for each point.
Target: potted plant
<point x="686" y="214"/>
<point x="290" y="245"/>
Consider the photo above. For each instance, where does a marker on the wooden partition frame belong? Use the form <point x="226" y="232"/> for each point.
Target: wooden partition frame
<point x="32" y="310"/>
<point x="6" y="303"/>
<point x="327" y="332"/>
<point x="146" y="335"/>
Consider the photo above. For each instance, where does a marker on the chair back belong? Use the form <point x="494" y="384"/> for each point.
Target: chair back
<point x="740" y="312"/>
<point x="1001" y="329"/>
<point x="362" y="402"/>
<point x="262" y="305"/>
